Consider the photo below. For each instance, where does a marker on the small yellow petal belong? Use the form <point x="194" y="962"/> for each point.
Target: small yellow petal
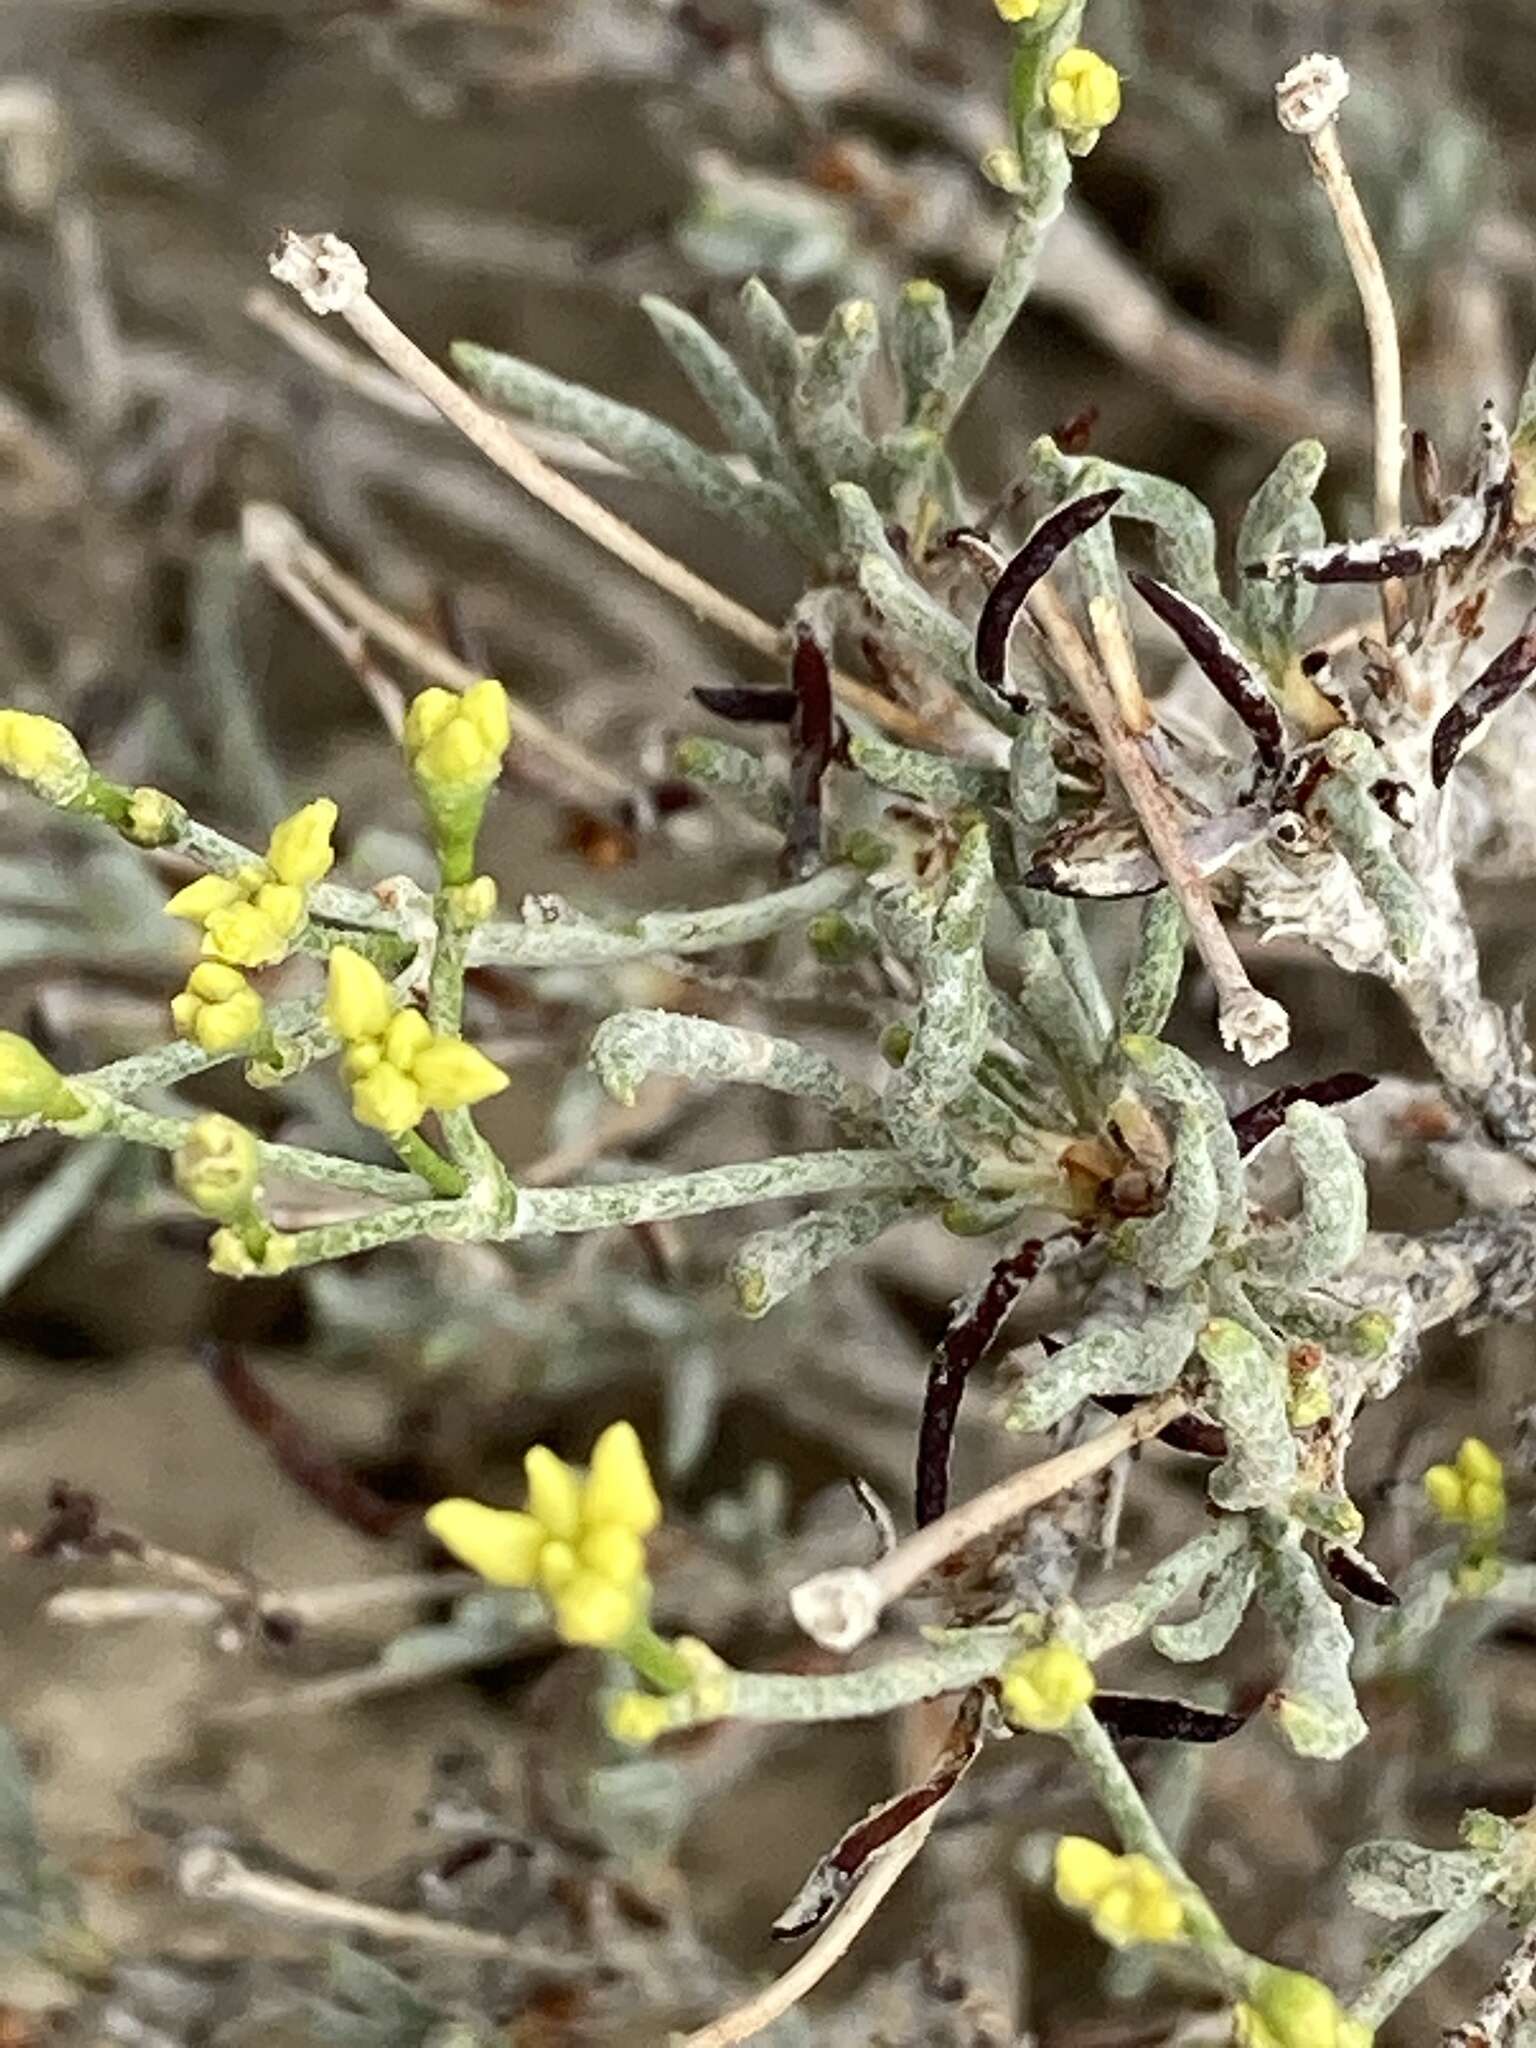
<point x="615" y="1554"/>
<point x="358" y="1004"/>
<point x="214" y="982"/>
<point x="226" y="1027"/>
<point x="592" y="1613"/>
<point x="1084" y="1869"/>
<point x="217" y="1166"/>
<point x="409" y="1033"/>
<point x="429" y="712"/>
<point x="486" y="708"/>
<point x="244" y="936"/>
<point x="558" y="1565"/>
<point x="501" y="1544"/>
<point x="454" y="1075"/>
<point x="282" y="905"/>
<point x="1442" y="1485"/>
<point x="554" y="1493"/>
<point x="387" y="1100"/>
<point x="619" y="1487"/>
<point x="201" y="898"/>
<point x="299" y="851"/>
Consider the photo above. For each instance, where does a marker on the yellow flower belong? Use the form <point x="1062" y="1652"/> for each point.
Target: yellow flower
<point x="459" y="742"/>
<point x="217" y="1166"/>
<point x="358" y="1002"/>
<point x="218" y="1009"/>
<point x="409" y="1034"/>
<point x="299" y="851"/>
<point x="1128" y="1897"/>
<point x="42" y="752"/>
<point x="31" y="1085"/>
<point x="1471" y="1491"/>
<point x="579" y="1541"/>
<point x="454" y="1075"/>
<point x="1289" y="2009"/>
<point x="1044" y="1687"/>
<point x="1084" y="93"/>
<point x="387" y="1100"/>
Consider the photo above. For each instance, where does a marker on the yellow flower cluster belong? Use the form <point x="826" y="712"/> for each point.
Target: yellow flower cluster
<point x="1128" y="1897"/>
<point x="249" y="918"/>
<point x="43" y="753"/>
<point x="1043" y="1688"/>
<point x="1083" y="95"/>
<point x="580" y="1541"/>
<point x="31" y="1085"/>
<point x="398" y="1066"/>
<point x="1289" y="2009"/>
<point x="458" y="742"/>
<point x="218" y="1009"/>
<point x="1471" y="1491"/>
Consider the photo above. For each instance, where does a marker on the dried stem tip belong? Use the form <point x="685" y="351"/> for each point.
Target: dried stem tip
<point x="1311" y="94"/>
<point x="326" y="272"/>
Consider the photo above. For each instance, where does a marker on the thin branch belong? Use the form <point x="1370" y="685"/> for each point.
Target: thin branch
<point x="841" y="1609"/>
<point x="1307" y="101"/>
<point x="330" y="278"/>
<point x="882" y="1874"/>
<point x="1250" y="1022"/>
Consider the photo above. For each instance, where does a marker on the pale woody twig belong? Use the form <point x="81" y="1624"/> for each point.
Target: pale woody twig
<point x="1307" y="101"/>
<point x="881" y="1875"/>
<point x="330" y="278"/>
<point x="841" y="1609"/>
<point x="1250" y="1022"/>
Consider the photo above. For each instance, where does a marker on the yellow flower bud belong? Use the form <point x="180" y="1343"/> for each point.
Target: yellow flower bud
<point x="1476" y="1461"/>
<point x="42" y="752"/>
<point x="31" y="1085"/>
<point x="453" y="1075"/>
<point x="1042" y="11"/>
<point x="387" y="1100"/>
<point x="200" y="899"/>
<point x="501" y="1544"/>
<point x="593" y="1614"/>
<point x="217" y="1166"/>
<point x="361" y="1058"/>
<point x="635" y="1718"/>
<point x="554" y="1493"/>
<point x="1043" y="1688"/>
<point x="409" y="1033"/>
<point x="459" y="743"/>
<point x="300" y="852"/>
<point x="358" y="1003"/>
<point x="619" y="1487"/>
<point x="1084" y="1870"/>
<point x="218" y="1009"/>
<point x="615" y="1554"/>
<point x="1442" y="1484"/>
<point x="154" y="819"/>
<point x="1289" y="2009"/>
<point x="1084" y="93"/>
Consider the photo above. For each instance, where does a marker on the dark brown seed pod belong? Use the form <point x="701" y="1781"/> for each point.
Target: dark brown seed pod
<point x="1039" y="554"/>
<point x="1358" y="1576"/>
<point x="1504" y="677"/>
<point x="1220" y="660"/>
<point x="772" y="706"/>
<point x="1139" y="1717"/>
<point x="1261" y="1119"/>
<point x="972" y="1331"/>
<point x="839" y="1870"/>
<point x="812" y="744"/>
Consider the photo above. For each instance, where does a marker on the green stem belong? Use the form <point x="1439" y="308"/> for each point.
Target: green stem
<point x="1132" y="1821"/>
<point x="428" y="1164"/>
<point x="1405" y="1972"/>
<point x="1012" y="282"/>
<point x="655" y="1660"/>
